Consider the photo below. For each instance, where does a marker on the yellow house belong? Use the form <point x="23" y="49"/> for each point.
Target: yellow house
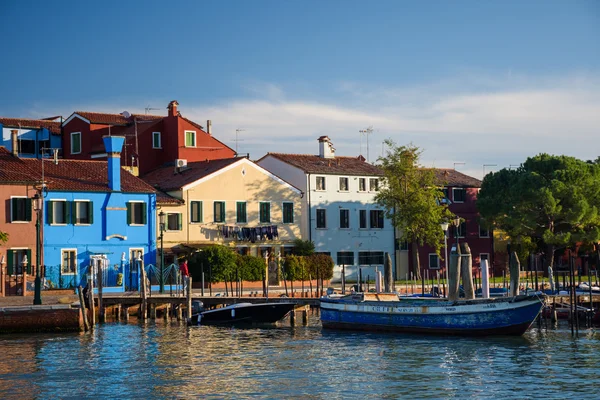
<point x="232" y="201"/>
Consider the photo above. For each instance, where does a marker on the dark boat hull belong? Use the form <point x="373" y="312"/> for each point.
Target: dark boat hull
<point x="244" y="314"/>
<point x="482" y="317"/>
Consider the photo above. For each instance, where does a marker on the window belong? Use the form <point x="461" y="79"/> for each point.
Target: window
<point x="462" y="229"/>
<point x="434" y="261"/>
<point x="14" y="264"/>
<point x="376" y="217"/>
<point x="43" y="146"/>
<point x="174" y="221"/>
<point x="58" y="212"/>
<point x="370" y="257"/>
<point x="320" y="183"/>
<point x="219" y="211"/>
<point x="288" y="213"/>
<point x="156" y="140"/>
<point x="402" y="245"/>
<point x="75" y="142"/>
<point x="265" y="213"/>
<point x="458" y="195"/>
<point x="196" y="211"/>
<point x="362" y="216"/>
<point x="241" y="217"/>
<point x="243" y="250"/>
<point x="190" y="138"/>
<point x="20" y="209"/>
<point x="483" y="232"/>
<point x="362" y="185"/>
<point x="84" y="212"/>
<point x="343" y="184"/>
<point x="26" y="146"/>
<point x="344" y="219"/>
<point x="446" y="199"/>
<point x="136" y="213"/>
<point x="69" y="262"/>
<point x="321" y="219"/>
<point x="345" y="258"/>
<point x="287" y="250"/>
<point x="373" y="184"/>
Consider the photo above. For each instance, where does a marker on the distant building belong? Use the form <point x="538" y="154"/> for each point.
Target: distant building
<point x="31" y="138"/>
<point x="340" y="214"/>
<point x="151" y="141"/>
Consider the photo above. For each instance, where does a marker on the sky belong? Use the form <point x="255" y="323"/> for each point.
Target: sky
<point x="477" y="85"/>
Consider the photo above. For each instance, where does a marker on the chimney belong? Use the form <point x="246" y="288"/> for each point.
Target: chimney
<point x="172" y="107"/>
<point x="209" y="126"/>
<point x="14" y="142"/>
<point x="113" y="146"/>
<point x="326" y="149"/>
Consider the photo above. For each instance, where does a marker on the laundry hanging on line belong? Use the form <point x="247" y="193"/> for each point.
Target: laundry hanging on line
<point x="253" y="234"/>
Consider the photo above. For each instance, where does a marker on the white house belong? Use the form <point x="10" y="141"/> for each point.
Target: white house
<point x="339" y="212"/>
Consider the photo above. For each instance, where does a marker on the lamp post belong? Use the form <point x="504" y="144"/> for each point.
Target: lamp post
<point x="37" y="206"/>
<point x="444" y="226"/>
<point x="161" y="219"/>
<point x="457" y="224"/>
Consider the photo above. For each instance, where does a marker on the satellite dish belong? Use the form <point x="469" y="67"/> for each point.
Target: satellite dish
<point x="126" y="114"/>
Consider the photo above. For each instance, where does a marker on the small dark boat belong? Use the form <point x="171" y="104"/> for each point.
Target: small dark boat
<point x="240" y="314"/>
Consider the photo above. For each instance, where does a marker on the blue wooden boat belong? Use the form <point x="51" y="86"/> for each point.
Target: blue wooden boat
<point x="389" y="312"/>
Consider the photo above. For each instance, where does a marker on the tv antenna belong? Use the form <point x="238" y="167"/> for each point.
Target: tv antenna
<point x="236" y="140"/>
<point x="458" y="163"/>
<point x="146" y="109"/>
<point x="366" y="132"/>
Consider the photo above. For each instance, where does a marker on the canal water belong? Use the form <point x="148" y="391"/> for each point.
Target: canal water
<point x="157" y="360"/>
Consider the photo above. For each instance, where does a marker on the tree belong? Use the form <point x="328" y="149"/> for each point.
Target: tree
<point x="251" y="268"/>
<point x="303" y="247"/>
<point x="219" y="260"/>
<point x="412" y="199"/>
<point x="549" y="203"/>
<point x="3" y="237"/>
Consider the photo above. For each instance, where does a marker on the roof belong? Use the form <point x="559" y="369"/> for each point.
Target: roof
<point x="84" y="176"/>
<point x="452" y="178"/>
<point x="14" y="169"/>
<point x="163" y="198"/>
<point x="338" y="165"/>
<point x="53" y="127"/>
<point x="102" y="118"/>
<point x="167" y="179"/>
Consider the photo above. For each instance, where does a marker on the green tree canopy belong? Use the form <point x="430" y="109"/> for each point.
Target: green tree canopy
<point x="303" y="247"/>
<point x="549" y="203"/>
<point x="251" y="268"/>
<point x="321" y="263"/>
<point x="3" y="237"/>
<point x="221" y="261"/>
<point x="295" y="267"/>
<point x="412" y="199"/>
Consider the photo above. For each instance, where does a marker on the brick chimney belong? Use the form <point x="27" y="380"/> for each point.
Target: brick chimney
<point x="114" y="145"/>
<point x="326" y="149"/>
<point x="14" y="142"/>
<point x="172" y="107"/>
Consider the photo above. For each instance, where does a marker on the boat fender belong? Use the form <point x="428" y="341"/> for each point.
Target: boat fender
<point x="199" y="318"/>
<point x="233" y="313"/>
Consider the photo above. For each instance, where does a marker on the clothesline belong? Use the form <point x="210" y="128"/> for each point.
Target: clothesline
<point x="251" y="234"/>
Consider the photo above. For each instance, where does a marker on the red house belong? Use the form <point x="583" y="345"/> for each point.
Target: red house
<point x="151" y="140"/>
<point x="461" y="194"/>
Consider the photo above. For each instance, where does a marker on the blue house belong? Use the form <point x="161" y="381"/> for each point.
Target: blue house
<point x="95" y="215"/>
<point x="31" y="138"/>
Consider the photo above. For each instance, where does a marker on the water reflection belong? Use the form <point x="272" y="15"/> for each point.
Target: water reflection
<point x="171" y="360"/>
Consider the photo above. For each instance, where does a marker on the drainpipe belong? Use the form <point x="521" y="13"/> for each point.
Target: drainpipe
<point x="309" y="211"/>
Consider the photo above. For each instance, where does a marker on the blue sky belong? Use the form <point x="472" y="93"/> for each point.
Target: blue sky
<point x="467" y="81"/>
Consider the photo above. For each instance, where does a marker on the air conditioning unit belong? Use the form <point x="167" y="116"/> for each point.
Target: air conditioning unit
<point x="180" y="163"/>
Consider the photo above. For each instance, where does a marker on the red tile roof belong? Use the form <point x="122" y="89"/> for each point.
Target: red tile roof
<point x="84" y="176"/>
<point x="453" y="178"/>
<point x="164" y="199"/>
<point x="53" y="127"/>
<point x="335" y="166"/>
<point x="15" y="170"/>
<point x="103" y="118"/>
<point x="167" y="179"/>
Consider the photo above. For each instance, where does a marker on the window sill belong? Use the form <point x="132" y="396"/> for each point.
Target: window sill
<point x="82" y="224"/>
<point x="321" y="229"/>
<point x="20" y="222"/>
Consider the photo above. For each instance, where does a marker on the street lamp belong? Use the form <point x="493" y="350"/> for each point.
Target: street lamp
<point x="161" y="219"/>
<point x="457" y="224"/>
<point x="38" y="203"/>
<point x="444" y="226"/>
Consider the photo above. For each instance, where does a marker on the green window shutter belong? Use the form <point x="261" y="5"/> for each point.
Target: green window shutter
<point x="223" y="211"/>
<point x="28" y="209"/>
<point x="216" y="212"/>
<point x="91" y="212"/>
<point x="128" y="213"/>
<point x="200" y="216"/>
<point x="144" y="212"/>
<point x="30" y="261"/>
<point x="179" y="222"/>
<point x="10" y="268"/>
<point x="13" y="206"/>
<point x="69" y="217"/>
<point x="50" y="212"/>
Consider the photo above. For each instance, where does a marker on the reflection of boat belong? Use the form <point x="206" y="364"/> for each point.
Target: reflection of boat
<point x="240" y="313"/>
<point x="388" y="312"/>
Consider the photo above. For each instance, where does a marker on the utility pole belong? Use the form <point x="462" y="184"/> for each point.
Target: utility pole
<point x="366" y="132"/>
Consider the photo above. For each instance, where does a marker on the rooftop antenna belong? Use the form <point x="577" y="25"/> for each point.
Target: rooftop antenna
<point x="458" y="163"/>
<point x="237" y="131"/>
<point x="366" y="132"/>
<point x="146" y="109"/>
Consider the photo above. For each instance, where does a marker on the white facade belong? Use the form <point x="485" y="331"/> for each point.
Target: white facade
<point x="341" y="202"/>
